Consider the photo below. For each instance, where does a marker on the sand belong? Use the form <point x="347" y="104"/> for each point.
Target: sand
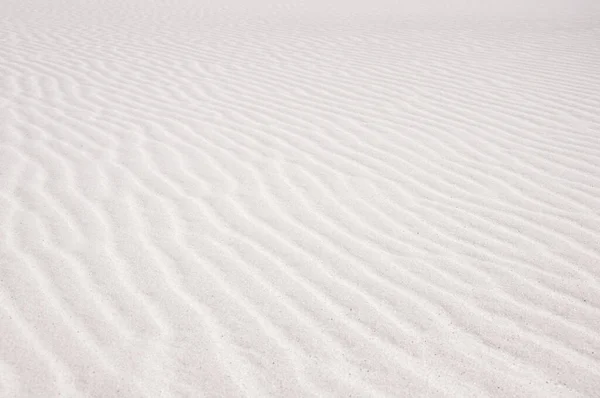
<point x="259" y="198"/>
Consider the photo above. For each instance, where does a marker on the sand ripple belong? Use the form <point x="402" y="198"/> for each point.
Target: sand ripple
<point x="299" y="199"/>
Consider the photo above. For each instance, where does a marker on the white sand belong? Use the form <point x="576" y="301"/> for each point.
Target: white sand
<point x="299" y="198"/>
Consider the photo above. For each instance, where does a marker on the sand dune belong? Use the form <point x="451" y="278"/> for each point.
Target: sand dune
<point x="317" y="198"/>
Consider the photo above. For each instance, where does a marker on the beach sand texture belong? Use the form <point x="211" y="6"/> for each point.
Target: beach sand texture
<point x="360" y="198"/>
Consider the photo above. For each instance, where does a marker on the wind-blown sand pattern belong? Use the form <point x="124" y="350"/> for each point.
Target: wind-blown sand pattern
<point x="299" y="198"/>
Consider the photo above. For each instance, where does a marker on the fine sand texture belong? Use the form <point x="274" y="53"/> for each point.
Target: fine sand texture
<point x="299" y="198"/>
